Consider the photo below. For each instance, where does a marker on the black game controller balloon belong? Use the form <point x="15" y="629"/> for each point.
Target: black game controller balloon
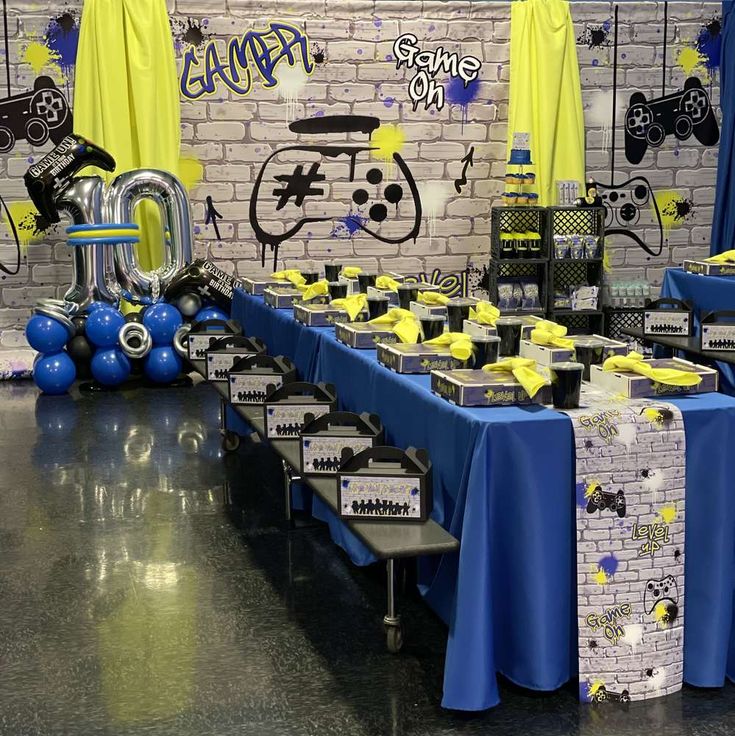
<point x="682" y="113"/>
<point x="203" y="278"/>
<point x="47" y="179"/>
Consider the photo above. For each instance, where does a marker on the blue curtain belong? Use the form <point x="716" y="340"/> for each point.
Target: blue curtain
<point x="723" y="223"/>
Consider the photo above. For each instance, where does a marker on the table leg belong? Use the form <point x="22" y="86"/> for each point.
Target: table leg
<point x="392" y="621"/>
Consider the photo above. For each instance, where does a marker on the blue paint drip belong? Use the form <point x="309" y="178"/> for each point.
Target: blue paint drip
<point x="609" y="564"/>
<point x="709" y="44"/>
<point x="580" y="491"/>
<point x="459" y="93"/>
<point x="62" y="37"/>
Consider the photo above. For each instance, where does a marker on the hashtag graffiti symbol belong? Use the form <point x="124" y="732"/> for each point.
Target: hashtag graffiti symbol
<point x="298" y="185"/>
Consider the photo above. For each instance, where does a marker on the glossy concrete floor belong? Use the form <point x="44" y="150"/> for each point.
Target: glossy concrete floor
<point x="149" y="586"/>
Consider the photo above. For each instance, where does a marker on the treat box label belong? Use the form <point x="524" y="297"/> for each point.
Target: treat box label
<point x="428" y="310"/>
<point x="284" y="420"/>
<point x="322" y="315"/>
<point x="363" y="335"/>
<point x="281" y="297"/>
<point x="382" y="498"/>
<point x="256" y="286"/>
<point x="478" y="388"/>
<point x="475" y="329"/>
<point x="220" y="363"/>
<point x="635" y="386"/>
<point x="322" y="455"/>
<point x="199" y="344"/>
<point x="403" y="358"/>
<point x="718" y="337"/>
<point x="710" y="269"/>
<point x="247" y="389"/>
<point x="392" y="295"/>
<point x="677" y="322"/>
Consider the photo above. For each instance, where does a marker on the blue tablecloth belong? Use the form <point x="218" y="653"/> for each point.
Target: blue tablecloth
<point x="707" y="293"/>
<point x="504" y="486"/>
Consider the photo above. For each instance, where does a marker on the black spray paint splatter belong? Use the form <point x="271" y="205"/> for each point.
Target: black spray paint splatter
<point x="189" y="32"/>
<point x="317" y="54"/>
<point x="478" y="279"/>
<point x="680" y="209"/>
<point x="596" y="37"/>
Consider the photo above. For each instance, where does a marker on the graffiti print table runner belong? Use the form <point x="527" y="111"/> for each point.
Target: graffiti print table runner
<point x="630" y="482"/>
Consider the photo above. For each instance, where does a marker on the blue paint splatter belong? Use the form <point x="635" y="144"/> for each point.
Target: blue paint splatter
<point x="377" y="22"/>
<point x="319" y="114"/>
<point x="609" y="564"/>
<point x="579" y="493"/>
<point x="347" y="226"/>
<point x="388" y="101"/>
<point x="432" y="28"/>
<point x="197" y="229"/>
<point x="62" y="37"/>
<point x="459" y="93"/>
<point x="389" y="57"/>
<point x="595" y="62"/>
<point x="709" y="43"/>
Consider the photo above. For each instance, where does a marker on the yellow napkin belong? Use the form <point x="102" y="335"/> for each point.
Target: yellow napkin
<point x="634" y="363"/>
<point x="318" y="288"/>
<point x="433" y="298"/>
<point x="727" y="256"/>
<point x="386" y="283"/>
<point x="350" y="272"/>
<point x="548" y="326"/>
<point x="540" y="336"/>
<point x="353" y="305"/>
<point x="403" y="322"/>
<point x="523" y="370"/>
<point x="460" y="345"/>
<point x="290" y="274"/>
<point x="485" y="313"/>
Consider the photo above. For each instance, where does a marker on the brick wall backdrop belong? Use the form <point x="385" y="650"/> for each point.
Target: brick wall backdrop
<point x="230" y="136"/>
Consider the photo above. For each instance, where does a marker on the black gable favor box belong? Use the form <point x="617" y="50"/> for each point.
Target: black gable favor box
<point x="386" y="484"/>
<point x="718" y="331"/>
<point x="252" y="379"/>
<point x="290" y="407"/>
<point x="204" y="334"/>
<point x="668" y="316"/>
<point x="227" y="351"/>
<point x="331" y="439"/>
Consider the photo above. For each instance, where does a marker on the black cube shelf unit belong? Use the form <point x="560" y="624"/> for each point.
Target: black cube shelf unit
<point x="546" y="270"/>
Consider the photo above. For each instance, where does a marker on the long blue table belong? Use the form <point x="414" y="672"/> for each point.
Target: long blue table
<point x="707" y="293"/>
<point x="504" y="486"/>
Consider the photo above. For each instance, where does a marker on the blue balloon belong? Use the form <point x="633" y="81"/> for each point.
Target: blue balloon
<point x="54" y="373"/>
<point x="162" y="321"/>
<point x="211" y="313"/>
<point x="110" y="366"/>
<point x="163" y="364"/>
<point x="46" y="334"/>
<point x="94" y="306"/>
<point x="103" y="326"/>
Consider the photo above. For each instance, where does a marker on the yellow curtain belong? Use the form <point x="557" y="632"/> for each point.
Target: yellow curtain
<point x="545" y="94"/>
<point x="126" y="96"/>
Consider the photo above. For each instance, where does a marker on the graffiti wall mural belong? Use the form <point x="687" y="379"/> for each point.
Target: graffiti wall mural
<point x="377" y="133"/>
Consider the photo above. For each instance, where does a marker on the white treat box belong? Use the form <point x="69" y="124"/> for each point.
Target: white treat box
<point x="545" y="355"/>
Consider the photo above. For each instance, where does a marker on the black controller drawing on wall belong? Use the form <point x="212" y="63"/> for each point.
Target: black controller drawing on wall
<point x="683" y="113"/>
<point x="601" y="500"/>
<point x="35" y="116"/>
<point x="293" y="195"/>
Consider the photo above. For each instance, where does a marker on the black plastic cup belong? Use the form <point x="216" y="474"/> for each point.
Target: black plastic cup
<point x="407" y="293"/>
<point x="506" y="249"/>
<point x="521" y="247"/>
<point x="311" y="276"/>
<point x="509" y="332"/>
<point x="331" y="271"/>
<point x="566" y="384"/>
<point x="485" y="349"/>
<point x="588" y="352"/>
<point x="431" y="327"/>
<point x="337" y="289"/>
<point x="365" y="279"/>
<point x="377" y="306"/>
<point x="458" y="310"/>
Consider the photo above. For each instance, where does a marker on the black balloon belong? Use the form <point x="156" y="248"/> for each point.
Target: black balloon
<point x="80" y="324"/>
<point x="134" y="317"/>
<point x="80" y="349"/>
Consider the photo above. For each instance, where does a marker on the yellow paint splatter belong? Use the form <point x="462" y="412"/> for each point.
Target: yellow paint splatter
<point x="655" y="417"/>
<point x="39" y="56"/>
<point x="24" y="216"/>
<point x="191" y="171"/>
<point x="661" y="614"/>
<point x="595" y="686"/>
<point x="591" y="488"/>
<point x="387" y="140"/>
<point x="691" y="61"/>
<point x="601" y="576"/>
<point x="667" y="514"/>
<point x="606" y="264"/>
<point x="666" y="201"/>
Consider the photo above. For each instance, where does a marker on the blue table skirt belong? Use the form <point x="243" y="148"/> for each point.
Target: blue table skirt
<point x="707" y="293"/>
<point x="504" y="486"/>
